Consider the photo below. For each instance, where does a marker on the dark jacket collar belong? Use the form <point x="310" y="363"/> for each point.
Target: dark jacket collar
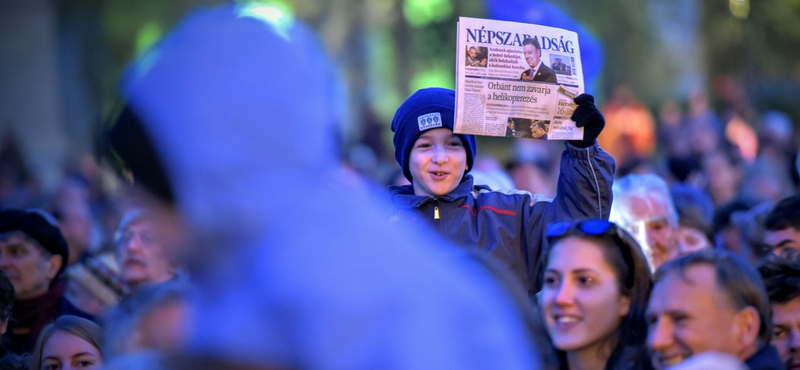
<point x="403" y="196"/>
<point x="766" y="358"/>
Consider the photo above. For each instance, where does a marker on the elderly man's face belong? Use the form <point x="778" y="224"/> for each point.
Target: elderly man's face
<point x="689" y="315"/>
<point x="26" y="265"/>
<point x="649" y="216"/>
<point x="141" y="257"/>
<point x="786" y="333"/>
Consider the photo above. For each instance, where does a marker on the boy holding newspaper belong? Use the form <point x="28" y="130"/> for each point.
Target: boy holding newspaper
<point x="507" y="225"/>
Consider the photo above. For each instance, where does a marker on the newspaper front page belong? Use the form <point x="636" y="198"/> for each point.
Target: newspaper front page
<point x="517" y="80"/>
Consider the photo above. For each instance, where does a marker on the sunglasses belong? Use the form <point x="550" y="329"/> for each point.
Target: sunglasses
<point x="597" y="227"/>
<point x="594" y="227"/>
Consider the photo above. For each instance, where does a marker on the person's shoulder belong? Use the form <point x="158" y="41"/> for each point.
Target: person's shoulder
<point x="546" y="70"/>
<point x="65" y="307"/>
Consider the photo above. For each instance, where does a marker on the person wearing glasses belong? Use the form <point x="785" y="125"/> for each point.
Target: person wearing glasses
<point x="141" y="257"/>
<point x="596" y="287"/>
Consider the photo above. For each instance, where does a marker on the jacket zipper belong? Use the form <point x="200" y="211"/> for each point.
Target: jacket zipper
<point x="435" y="209"/>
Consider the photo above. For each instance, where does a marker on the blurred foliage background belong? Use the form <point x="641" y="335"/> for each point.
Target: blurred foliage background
<point x="741" y="53"/>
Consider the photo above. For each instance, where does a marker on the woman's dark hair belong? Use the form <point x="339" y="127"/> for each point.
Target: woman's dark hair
<point x="625" y="256"/>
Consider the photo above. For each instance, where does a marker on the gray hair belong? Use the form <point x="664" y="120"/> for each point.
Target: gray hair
<point x="639" y="185"/>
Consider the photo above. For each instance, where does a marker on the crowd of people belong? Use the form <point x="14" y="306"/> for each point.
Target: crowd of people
<point x="237" y="242"/>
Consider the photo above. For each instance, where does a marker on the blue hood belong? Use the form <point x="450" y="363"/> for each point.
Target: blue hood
<point x="212" y="69"/>
<point x="295" y="267"/>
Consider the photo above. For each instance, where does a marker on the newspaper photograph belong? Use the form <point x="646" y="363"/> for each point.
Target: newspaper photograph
<point x="517" y="80"/>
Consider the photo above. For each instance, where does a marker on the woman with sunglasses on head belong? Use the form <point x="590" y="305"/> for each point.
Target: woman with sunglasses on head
<point x="596" y="287"/>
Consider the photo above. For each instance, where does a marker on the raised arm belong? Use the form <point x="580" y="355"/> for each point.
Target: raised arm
<point x="584" y="185"/>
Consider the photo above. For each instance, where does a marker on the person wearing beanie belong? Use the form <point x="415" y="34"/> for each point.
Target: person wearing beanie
<point x="33" y="254"/>
<point x="508" y="225"/>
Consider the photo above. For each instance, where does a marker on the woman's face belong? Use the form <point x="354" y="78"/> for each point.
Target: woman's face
<point x="68" y="351"/>
<point x="582" y="302"/>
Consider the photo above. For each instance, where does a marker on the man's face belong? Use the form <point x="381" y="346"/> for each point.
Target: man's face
<point x="536" y="131"/>
<point x="649" y="217"/>
<point x="532" y="55"/>
<point x="783" y="240"/>
<point x="26" y="266"/>
<point x="786" y="332"/>
<point x="437" y="162"/>
<point x="141" y="257"/>
<point x="689" y="315"/>
<point x="473" y="53"/>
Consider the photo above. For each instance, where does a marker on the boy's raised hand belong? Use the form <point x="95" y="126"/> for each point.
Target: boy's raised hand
<point x="587" y="115"/>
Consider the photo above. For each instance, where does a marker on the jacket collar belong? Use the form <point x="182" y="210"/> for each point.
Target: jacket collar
<point x="767" y="358"/>
<point x="403" y="196"/>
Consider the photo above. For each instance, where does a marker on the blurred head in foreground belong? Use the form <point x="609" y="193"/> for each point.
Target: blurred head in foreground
<point x="234" y="184"/>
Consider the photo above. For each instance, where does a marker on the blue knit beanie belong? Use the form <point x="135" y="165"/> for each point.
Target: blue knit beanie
<point x="425" y="110"/>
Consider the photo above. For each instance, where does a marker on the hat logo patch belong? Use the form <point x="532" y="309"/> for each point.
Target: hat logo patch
<point x="429" y="121"/>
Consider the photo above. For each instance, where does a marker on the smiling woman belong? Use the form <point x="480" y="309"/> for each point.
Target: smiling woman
<point x="596" y="282"/>
<point x="70" y="342"/>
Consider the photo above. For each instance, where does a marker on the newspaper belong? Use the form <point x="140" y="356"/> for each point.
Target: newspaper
<point x="505" y="87"/>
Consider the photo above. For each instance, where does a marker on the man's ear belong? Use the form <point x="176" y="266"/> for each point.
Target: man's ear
<point x="625" y="306"/>
<point x="53" y="265"/>
<point x="746" y="326"/>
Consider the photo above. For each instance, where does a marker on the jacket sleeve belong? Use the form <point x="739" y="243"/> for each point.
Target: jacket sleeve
<point x="584" y="191"/>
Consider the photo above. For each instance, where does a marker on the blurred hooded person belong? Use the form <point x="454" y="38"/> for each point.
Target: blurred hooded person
<point x="294" y="268"/>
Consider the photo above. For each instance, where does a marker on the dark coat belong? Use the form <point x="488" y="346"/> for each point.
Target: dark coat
<point x="766" y="358"/>
<point x="510" y="224"/>
<point x="543" y="74"/>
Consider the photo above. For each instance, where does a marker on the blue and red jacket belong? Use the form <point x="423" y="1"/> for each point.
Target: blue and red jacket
<point x="511" y="225"/>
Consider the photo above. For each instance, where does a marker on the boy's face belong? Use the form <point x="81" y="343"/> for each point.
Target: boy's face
<point x="437" y="162"/>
